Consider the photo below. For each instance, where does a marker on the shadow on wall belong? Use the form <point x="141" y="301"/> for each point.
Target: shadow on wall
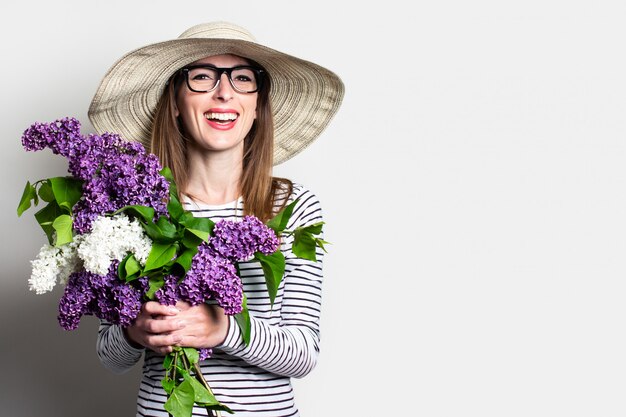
<point x="47" y="371"/>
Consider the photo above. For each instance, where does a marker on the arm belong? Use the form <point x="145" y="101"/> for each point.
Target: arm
<point x="291" y="346"/>
<point x="119" y="349"/>
<point x="114" y="350"/>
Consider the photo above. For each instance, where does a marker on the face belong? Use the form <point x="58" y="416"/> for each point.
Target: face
<point x="219" y="120"/>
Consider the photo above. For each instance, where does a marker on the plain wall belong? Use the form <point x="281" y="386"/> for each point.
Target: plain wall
<point x="472" y="183"/>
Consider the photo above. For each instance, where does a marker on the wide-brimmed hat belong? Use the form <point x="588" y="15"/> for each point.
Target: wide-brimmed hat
<point x="304" y="95"/>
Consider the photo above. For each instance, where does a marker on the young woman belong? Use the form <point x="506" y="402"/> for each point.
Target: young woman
<point x="220" y="110"/>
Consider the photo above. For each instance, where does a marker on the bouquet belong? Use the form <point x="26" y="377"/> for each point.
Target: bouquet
<point x="118" y="236"/>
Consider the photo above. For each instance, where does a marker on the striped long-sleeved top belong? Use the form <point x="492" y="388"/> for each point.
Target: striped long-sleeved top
<point x="252" y="380"/>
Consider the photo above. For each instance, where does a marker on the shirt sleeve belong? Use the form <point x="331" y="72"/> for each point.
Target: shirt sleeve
<point x="114" y="350"/>
<point x="290" y="347"/>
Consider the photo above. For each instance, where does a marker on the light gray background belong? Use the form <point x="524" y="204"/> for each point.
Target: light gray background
<point x="473" y="186"/>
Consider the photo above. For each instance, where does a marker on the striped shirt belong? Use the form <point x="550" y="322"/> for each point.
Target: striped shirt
<point x="252" y="380"/>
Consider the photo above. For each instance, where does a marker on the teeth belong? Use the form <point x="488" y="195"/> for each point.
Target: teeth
<point x="221" y="116"/>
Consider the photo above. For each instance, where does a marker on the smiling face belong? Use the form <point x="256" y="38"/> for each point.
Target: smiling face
<point x="218" y="120"/>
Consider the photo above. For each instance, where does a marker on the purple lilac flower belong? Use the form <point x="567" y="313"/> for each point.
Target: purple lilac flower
<point x="75" y="300"/>
<point x="238" y="241"/>
<point x="169" y="293"/>
<point x="101" y="286"/>
<point x="212" y="277"/>
<point x="213" y="274"/>
<point x="116" y="173"/>
<point x="144" y="284"/>
<point x="126" y="303"/>
<point x="103" y="296"/>
<point x="59" y="136"/>
<point x="205" y="353"/>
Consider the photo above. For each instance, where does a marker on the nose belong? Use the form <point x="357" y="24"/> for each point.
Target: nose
<point x="224" y="90"/>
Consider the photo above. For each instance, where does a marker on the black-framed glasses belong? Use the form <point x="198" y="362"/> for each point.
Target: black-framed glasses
<point x="205" y="78"/>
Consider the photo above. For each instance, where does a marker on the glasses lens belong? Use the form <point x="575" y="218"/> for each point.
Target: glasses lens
<point x="202" y="79"/>
<point x="244" y="80"/>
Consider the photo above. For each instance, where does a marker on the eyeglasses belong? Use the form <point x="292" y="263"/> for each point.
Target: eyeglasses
<point x="205" y="78"/>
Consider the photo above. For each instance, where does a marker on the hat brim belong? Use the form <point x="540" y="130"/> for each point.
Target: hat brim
<point x="304" y="95"/>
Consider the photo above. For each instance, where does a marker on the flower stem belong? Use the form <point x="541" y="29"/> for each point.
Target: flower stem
<point x="200" y="378"/>
<point x="174" y="373"/>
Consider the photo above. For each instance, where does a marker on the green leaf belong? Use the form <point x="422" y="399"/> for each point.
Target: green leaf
<point x="28" y="195"/>
<point x="187" y="217"/>
<point x="180" y="402"/>
<point x="160" y="254"/>
<point x="315" y="228"/>
<point x="200" y="226"/>
<point x="167" y="228"/>
<point x="168" y="361"/>
<point x="304" y="245"/>
<point x="185" y="258"/>
<point x="191" y="354"/>
<point x="67" y="191"/>
<point x="279" y="222"/>
<point x="167" y="173"/>
<point x="168" y="384"/>
<point x="201" y="394"/>
<point x="46" y="216"/>
<point x="204" y="236"/>
<point x="191" y="240"/>
<point x="132" y="265"/>
<point x="174" y="208"/>
<point x="45" y="192"/>
<point x="243" y="321"/>
<point x="273" y="268"/>
<point x="63" y="227"/>
<point x="128" y="270"/>
<point x="142" y="212"/>
<point x="321" y="242"/>
<point x="162" y="231"/>
<point x="180" y="370"/>
<point x="155" y="284"/>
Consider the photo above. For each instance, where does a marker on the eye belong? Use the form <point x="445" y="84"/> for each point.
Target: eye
<point x="243" y="75"/>
<point x="202" y="74"/>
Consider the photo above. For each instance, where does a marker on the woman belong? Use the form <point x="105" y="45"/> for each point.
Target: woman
<point x="219" y="110"/>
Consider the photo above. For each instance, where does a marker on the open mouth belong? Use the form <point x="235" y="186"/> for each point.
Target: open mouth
<point x="221" y="118"/>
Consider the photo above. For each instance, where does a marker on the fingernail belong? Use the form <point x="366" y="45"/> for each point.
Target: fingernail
<point x="174" y="310"/>
<point x="181" y="324"/>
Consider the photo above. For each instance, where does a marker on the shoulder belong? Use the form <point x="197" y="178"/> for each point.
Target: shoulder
<point x="303" y="194"/>
<point x="287" y="192"/>
<point x="307" y="209"/>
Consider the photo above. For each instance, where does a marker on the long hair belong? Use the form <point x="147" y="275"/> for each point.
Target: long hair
<point x="259" y="189"/>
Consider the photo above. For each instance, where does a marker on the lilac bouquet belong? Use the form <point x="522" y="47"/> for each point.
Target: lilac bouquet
<point x="118" y="236"/>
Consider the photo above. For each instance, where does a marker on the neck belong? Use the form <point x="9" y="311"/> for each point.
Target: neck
<point x="214" y="178"/>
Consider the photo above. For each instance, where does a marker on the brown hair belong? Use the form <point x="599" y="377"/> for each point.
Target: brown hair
<point x="259" y="188"/>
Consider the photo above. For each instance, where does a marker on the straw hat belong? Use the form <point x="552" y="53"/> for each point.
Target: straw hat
<point x="304" y="95"/>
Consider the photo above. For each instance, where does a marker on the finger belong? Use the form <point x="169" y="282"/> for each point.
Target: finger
<point x="182" y="305"/>
<point x="161" y="342"/>
<point x="156" y="309"/>
<point x="159" y="326"/>
<point x="165" y="350"/>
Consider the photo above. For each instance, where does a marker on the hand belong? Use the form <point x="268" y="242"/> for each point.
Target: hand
<point x="203" y="326"/>
<point x="154" y="327"/>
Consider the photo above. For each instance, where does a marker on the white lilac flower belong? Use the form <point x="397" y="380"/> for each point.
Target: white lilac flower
<point x="111" y="238"/>
<point x="53" y="264"/>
